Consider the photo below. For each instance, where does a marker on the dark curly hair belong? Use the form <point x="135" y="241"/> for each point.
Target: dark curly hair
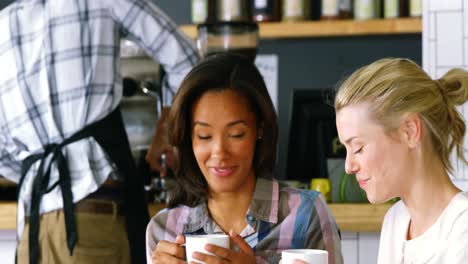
<point x="216" y="73"/>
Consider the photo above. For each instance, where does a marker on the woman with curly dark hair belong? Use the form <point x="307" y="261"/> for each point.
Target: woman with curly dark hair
<point x="225" y="129"/>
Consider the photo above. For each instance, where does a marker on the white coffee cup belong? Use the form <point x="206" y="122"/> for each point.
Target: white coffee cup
<point x="196" y="243"/>
<point x="311" y="256"/>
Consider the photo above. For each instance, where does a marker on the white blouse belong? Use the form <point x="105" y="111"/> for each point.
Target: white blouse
<point x="446" y="241"/>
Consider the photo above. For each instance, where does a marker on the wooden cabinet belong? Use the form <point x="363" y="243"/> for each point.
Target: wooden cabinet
<point x="360" y="247"/>
<point x="7" y="246"/>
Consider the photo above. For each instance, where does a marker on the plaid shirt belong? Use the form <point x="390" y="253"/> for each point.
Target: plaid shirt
<point x="60" y="71"/>
<point x="278" y="218"/>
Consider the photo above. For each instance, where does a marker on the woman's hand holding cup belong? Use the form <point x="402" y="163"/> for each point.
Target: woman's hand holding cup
<point x="221" y="254"/>
<point x="170" y="252"/>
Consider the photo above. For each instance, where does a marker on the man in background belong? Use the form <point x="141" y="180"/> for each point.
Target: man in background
<point x="61" y="131"/>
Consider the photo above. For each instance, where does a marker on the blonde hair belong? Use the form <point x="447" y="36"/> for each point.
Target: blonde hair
<point x="396" y="86"/>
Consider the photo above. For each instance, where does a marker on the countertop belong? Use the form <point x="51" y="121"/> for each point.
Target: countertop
<point x="359" y="217"/>
<point x="349" y="217"/>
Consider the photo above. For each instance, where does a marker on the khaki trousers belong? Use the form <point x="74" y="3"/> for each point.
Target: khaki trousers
<point x="101" y="239"/>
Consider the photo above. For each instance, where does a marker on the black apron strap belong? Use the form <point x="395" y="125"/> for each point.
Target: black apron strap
<point x="110" y="134"/>
<point x="116" y="144"/>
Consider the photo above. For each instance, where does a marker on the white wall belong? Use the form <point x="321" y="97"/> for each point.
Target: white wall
<point x="445" y="45"/>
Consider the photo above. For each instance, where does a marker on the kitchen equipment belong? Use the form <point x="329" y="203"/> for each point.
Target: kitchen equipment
<point x="415" y="8"/>
<point x="266" y="10"/>
<point x="236" y="37"/>
<point x="203" y="11"/>
<point x="330" y="9"/>
<point x="367" y="9"/>
<point x="321" y="185"/>
<point x="296" y="10"/>
<point x="233" y="10"/>
<point x="313" y="138"/>
<point x="344" y="187"/>
<point x="350" y="192"/>
<point x="128" y="49"/>
<point x="395" y="8"/>
<point x="140" y="107"/>
<point x="142" y="95"/>
<point x="8" y="190"/>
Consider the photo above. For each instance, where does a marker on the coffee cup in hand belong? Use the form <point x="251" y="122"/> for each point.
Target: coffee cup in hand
<point x="197" y="243"/>
<point x="310" y="256"/>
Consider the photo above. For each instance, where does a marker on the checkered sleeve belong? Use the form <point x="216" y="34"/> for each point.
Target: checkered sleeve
<point x="9" y="166"/>
<point x="148" y="26"/>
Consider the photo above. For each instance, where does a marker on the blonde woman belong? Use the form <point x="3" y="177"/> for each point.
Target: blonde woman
<point x="399" y="127"/>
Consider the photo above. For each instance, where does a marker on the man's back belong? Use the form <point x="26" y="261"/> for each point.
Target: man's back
<point x="60" y="76"/>
<point x="57" y="61"/>
<point x="60" y="72"/>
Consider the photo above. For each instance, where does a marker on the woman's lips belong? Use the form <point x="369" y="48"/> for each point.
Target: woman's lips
<point x="222" y="171"/>
<point x="363" y="183"/>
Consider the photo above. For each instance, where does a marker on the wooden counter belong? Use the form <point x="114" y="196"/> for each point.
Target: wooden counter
<point x="359" y="217"/>
<point x="7" y="215"/>
<point x="350" y="217"/>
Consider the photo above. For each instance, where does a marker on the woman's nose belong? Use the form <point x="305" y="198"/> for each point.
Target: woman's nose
<point x="351" y="166"/>
<point x="219" y="147"/>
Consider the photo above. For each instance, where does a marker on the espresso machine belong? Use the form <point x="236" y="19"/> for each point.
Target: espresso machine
<point x="141" y="105"/>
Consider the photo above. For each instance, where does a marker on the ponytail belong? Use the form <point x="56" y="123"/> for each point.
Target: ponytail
<point x="454" y="88"/>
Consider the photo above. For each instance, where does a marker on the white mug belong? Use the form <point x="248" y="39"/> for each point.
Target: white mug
<point x="311" y="256"/>
<point x="196" y="243"/>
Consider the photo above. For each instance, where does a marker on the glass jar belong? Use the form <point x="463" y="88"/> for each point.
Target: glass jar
<point x="345" y="9"/>
<point x="295" y="10"/>
<point x="233" y="10"/>
<point x="199" y="11"/>
<point x="330" y="9"/>
<point x="265" y="10"/>
<point x="415" y="8"/>
<point x="203" y="11"/>
<point x="395" y="8"/>
<point x="336" y="9"/>
<point x="366" y="9"/>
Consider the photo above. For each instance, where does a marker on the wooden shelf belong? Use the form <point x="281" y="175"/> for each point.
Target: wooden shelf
<point x="329" y="28"/>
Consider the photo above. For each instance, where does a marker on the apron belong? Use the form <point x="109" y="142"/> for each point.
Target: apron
<point x="110" y="133"/>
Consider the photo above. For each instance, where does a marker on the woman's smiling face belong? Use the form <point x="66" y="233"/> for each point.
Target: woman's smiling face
<point x="379" y="160"/>
<point x="224" y="135"/>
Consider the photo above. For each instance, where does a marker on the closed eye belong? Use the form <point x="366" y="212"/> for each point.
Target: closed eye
<point x="203" y="137"/>
<point x="358" y="151"/>
<point x="237" y="135"/>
